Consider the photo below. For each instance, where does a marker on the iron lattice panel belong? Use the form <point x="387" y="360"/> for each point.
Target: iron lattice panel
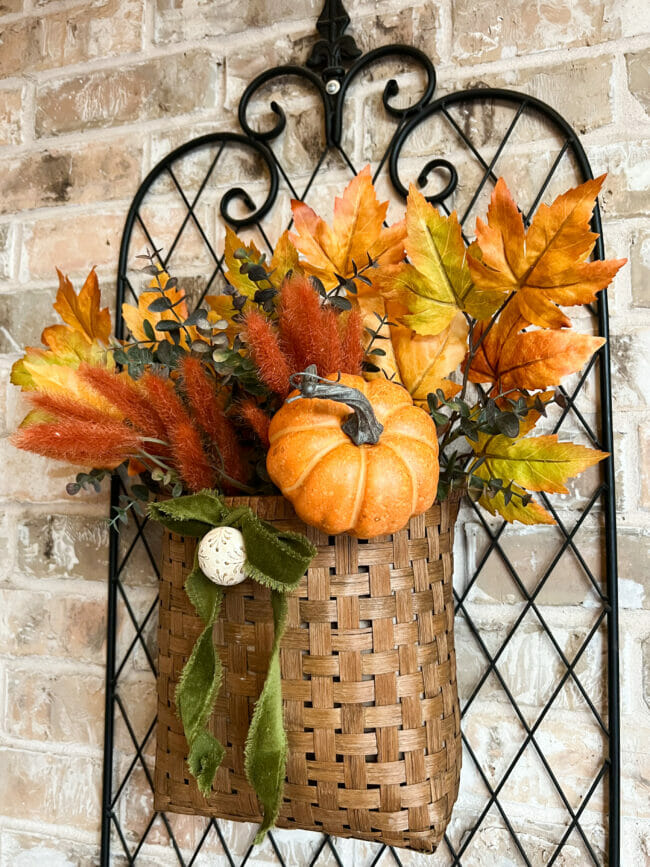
<point x="175" y="210"/>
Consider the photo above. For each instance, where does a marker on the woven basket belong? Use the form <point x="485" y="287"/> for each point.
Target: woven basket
<point x="368" y="683"/>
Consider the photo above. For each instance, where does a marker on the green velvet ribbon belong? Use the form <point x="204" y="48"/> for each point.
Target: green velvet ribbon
<point x="278" y="560"/>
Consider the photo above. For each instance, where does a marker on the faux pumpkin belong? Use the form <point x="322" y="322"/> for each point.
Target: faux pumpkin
<point x="353" y="456"/>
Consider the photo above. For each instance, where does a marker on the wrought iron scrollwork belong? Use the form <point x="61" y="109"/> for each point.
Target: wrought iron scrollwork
<point x="333" y="65"/>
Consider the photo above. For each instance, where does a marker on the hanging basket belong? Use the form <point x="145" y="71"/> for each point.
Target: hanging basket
<point x="368" y="683"/>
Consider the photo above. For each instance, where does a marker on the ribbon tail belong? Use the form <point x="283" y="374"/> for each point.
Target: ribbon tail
<point x="199" y="685"/>
<point x="204" y="759"/>
<point x="266" y="742"/>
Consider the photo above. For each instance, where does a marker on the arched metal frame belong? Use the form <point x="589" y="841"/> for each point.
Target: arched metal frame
<point x="326" y="74"/>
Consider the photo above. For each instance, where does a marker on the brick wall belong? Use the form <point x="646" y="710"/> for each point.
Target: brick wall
<point x="92" y="94"/>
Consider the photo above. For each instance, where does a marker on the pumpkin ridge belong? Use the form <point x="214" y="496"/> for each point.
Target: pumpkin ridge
<point x="302" y="429"/>
<point x="427" y="443"/>
<point x="361" y="488"/>
<point x="313" y="463"/>
<point x="409" y="470"/>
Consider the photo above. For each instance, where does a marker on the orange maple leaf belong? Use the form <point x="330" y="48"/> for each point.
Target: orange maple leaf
<point x="512" y="358"/>
<point x="357" y="231"/>
<point x="135" y="317"/>
<point x="547" y="265"/>
<point x="53" y="368"/>
<point x="82" y="312"/>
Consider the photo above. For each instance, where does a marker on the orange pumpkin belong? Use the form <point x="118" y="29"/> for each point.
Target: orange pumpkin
<point x="367" y="489"/>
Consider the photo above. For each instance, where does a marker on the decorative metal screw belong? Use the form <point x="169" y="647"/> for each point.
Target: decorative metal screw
<point x="333" y="86"/>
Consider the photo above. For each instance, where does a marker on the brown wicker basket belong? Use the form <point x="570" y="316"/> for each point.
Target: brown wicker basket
<point x="368" y="683"/>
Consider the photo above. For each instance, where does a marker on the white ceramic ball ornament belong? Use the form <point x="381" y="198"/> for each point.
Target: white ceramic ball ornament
<point x="222" y="555"/>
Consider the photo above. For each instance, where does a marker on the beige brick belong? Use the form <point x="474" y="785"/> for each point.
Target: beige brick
<point x="62" y="546"/>
<point x="52" y="625"/>
<point x="634" y="789"/>
<point x="532" y="550"/>
<point x="581" y="90"/>
<point x="480" y="33"/>
<point x="21" y="318"/>
<point x="631" y="368"/>
<point x="77" y="35"/>
<point x="636" y="834"/>
<point x="24" y="849"/>
<point x="5" y="386"/>
<point x="638" y="76"/>
<point x="640" y="267"/>
<point x="625" y="191"/>
<point x="96" y="172"/>
<point x="44" y="706"/>
<point x="417" y="24"/>
<point x="644" y="461"/>
<point x="6" y="249"/>
<point x="572" y="743"/>
<point x="633" y="559"/>
<point x="73" y="243"/>
<point x="139" y="697"/>
<point x="138" y="568"/>
<point x="6" y="553"/>
<point x="34" y="479"/>
<point x="169" y="86"/>
<point x="530" y="682"/>
<point x="11" y="105"/>
<point x="646" y="671"/>
<point x="7" y="7"/>
<point x="182" y="20"/>
<point x="164" y="218"/>
<point x="64" y="789"/>
<point x="632" y="16"/>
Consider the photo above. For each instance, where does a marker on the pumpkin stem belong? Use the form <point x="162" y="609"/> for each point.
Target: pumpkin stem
<point x="361" y="425"/>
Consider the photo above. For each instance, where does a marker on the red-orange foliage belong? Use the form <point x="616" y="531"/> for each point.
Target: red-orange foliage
<point x="352" y="343"/>
<point x="190" y="458"/>
<point x="308" y="333"/>
<point x="160" y="392"/>
<point x="61" y="406"/>
<point x="272" y="364"/>
<point x="256" y="419"/>
<point x="204" y="402"/>
<point x="84" y="443"/>
<point x="128" y="397"/>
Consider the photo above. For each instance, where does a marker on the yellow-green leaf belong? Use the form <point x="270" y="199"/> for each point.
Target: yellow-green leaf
<point x="536" y="463"/>
<point x="437" y="283"/>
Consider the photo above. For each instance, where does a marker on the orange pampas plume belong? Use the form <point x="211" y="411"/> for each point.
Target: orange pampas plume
<point x="272" y="364"/>
<point x="189" y="456"/>
<point x="300" y="322"/>
<point x="127" y="397"/>
<point x="162" y="394"/>
<point x="309" y="333"/>
<point x="203" y="400"/>
<point x="84" y="443"/>
<point x="352" y="343"/>
<point x="256" y="419"/>
<point x="63" y="407"/>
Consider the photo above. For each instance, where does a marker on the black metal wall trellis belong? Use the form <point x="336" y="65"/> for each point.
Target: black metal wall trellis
<point x="334" y="65"/>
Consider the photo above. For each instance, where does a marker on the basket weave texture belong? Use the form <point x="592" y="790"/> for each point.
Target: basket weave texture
<point x="368" y="683"/>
